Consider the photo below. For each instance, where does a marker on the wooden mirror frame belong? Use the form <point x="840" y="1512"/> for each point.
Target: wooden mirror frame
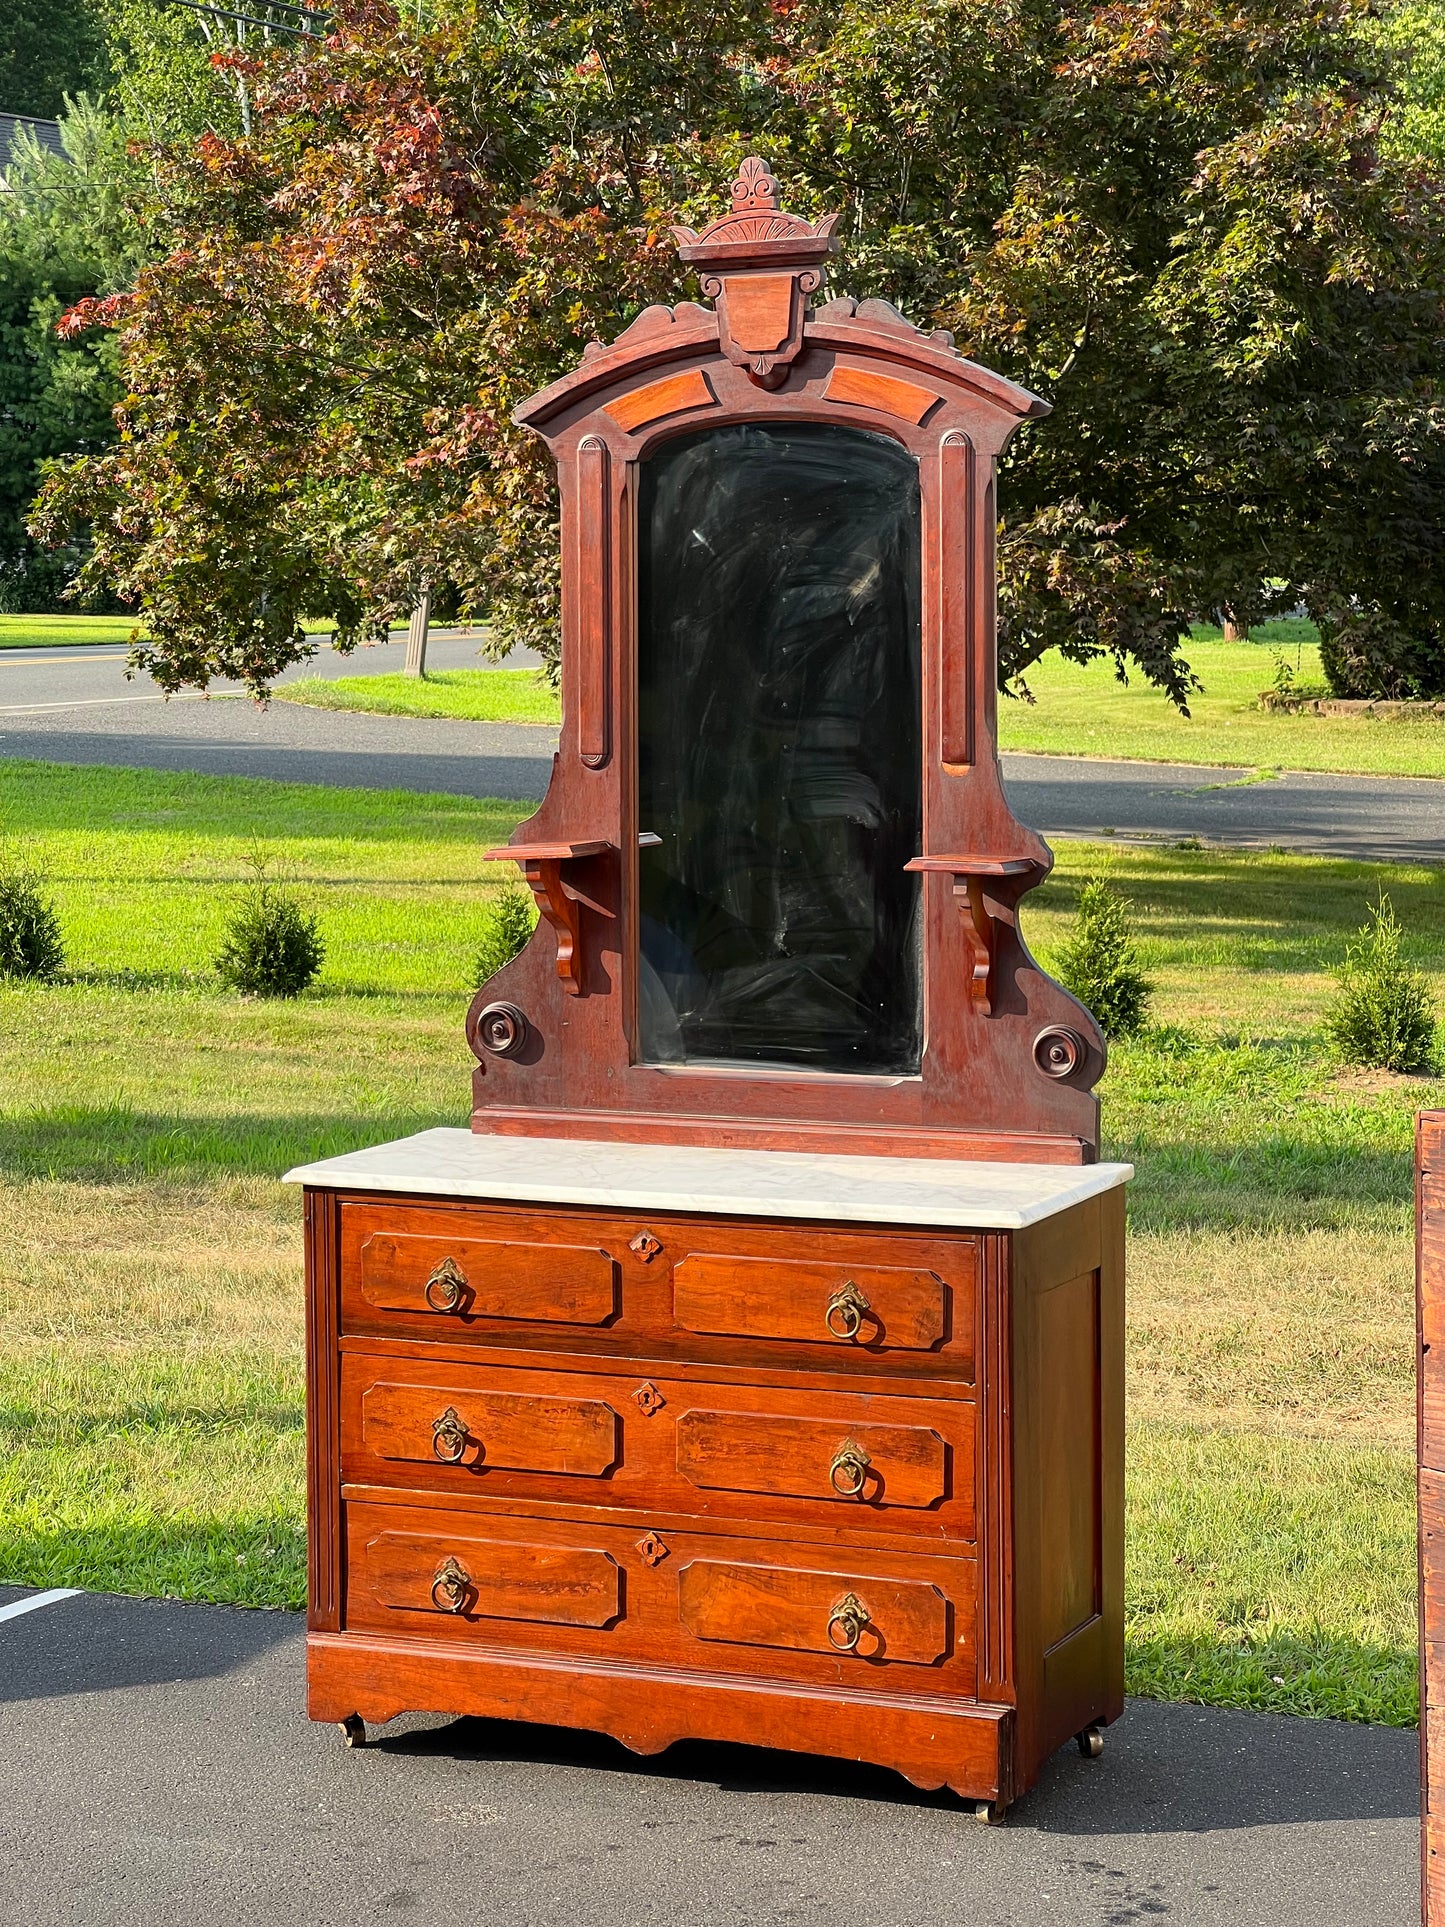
<point x="1009" y="1059"/>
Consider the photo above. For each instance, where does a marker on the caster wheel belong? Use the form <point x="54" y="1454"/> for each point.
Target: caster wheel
<point x="1091" y="1743"/>
<point x="353" y="1730"/>
<point x="988" y="1813"/>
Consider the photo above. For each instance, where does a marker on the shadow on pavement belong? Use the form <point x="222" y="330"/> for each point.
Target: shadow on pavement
<point x="1166" y="1769"/>
<point x="100" y="1642"/>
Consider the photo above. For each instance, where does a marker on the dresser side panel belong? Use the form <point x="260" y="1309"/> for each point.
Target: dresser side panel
<point x="323" y="1412"/>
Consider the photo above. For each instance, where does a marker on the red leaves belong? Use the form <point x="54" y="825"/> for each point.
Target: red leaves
<point x="457" y="439"/>
<point x="96" y="311"/>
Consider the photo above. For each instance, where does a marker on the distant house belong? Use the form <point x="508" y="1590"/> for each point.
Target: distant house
<point x="47" y="132"/>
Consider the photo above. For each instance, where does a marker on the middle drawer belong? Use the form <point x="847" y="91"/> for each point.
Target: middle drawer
<point x="661" y="1444"/>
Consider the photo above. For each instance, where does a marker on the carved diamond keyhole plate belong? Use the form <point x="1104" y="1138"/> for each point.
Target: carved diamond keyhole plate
<point x="648" y="1399"/>
<point x="652" y="1549"/>
<point x="646" y="1246"/>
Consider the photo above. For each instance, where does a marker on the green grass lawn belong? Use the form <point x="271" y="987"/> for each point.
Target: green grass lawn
<point x="51" y="632"/>
<point x="1087" y="711"/>
<point x="470" y="695"/>
<point x="150" y="1281"/>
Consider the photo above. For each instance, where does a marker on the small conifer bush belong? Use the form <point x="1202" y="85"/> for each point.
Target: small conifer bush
<point x="272" y="947"/>
<point x="509" y="924"/>
<point x="30" y="940"/>
<point x="1099" y="962"/>
<point x="1383" y="1016"/>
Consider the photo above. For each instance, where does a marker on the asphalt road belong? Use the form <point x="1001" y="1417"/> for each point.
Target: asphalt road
<point x="73" y="706"/>
<point x="157" y="1770"/>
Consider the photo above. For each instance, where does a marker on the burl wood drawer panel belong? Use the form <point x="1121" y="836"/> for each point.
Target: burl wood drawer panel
<point x="838" y="1460"/>
<point x="719" y="1603"/>
<point x="728" y="1291"/>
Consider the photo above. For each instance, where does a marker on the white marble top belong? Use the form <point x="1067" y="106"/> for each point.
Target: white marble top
<point x="670" y="1177"/>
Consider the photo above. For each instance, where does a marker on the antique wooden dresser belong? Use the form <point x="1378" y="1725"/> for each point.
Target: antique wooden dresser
<point x="751" y="1369"/>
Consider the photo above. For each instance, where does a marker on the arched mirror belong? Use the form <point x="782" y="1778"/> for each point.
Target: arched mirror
<point x="779" y="749"/>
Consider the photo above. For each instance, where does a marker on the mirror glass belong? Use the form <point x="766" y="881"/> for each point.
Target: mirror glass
<point x="779" y="749"/>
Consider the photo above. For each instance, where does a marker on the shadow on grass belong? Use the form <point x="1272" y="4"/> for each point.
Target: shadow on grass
<point x="1280" y="914"/>
<point x="1288" y="1181"/>
<point x="112" y="1144"/>
<point x="1319" y="1676"/>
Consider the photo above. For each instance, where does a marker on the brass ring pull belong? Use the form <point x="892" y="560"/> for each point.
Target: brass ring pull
<point x="448" y="1436"/>
<point x="450" y="1587"/>
<point x="845" y="1310"/>
<point x="852" y="1462"/>
<point x="849" y="1616"/>
<point x="445" y="1286"/>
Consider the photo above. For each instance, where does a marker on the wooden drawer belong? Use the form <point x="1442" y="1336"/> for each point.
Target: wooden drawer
<point x="870" y="1307"/>
<point x="835" y="1460"/>
<point x="470" y="1278"/>
<point x="719" y="1603"/>
<point x="724" y="1291"/>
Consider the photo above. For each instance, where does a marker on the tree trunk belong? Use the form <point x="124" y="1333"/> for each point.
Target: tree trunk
<point x="1233" y="631"/>
<point x="416" y="635"/>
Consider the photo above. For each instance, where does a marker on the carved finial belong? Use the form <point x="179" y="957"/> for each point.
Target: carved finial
<point x="760" y="265"/>
<point x="754" y="187"/>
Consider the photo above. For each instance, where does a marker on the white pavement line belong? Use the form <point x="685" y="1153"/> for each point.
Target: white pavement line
<point x="38" y="1599"/>
<point x="92" y="702"/>
<point x="45" y="662"/>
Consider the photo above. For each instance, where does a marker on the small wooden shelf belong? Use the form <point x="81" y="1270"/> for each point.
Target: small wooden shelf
<point x="546" y="852"/>
<point x="976" y="866"/>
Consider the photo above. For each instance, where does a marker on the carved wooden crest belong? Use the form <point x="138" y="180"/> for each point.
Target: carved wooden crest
<point x="759" y="265"/>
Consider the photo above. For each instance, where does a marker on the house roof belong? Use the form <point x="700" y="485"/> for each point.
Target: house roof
<point x="47" y="132"/>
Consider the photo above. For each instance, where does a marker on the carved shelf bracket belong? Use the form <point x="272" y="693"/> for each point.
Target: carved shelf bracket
<point x="559" y="902"/>
<point x="979" y="923"/>
<point x="544" y="865"/>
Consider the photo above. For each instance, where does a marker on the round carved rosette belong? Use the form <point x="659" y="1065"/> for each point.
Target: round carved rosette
<point x="1059" y="1052"/>
<point x="502" y="1029"/>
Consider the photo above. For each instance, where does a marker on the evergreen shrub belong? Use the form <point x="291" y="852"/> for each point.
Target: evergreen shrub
<point x="510" y="922"/>
<point x="1383" y="1017"/>
<point x="30" y="941"/>
<point x="272" y="946"/>
<point x="1099" y="962"/>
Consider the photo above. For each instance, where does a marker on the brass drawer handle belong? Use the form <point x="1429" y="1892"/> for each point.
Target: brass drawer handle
<point x="445" y="1286"/>
<point x="845" y="1310"/>
<point x="448" y="1436"/>
<point x="852" y="1462"/>
<point x="450" y="1587"/>
<point x="849" y="1616"/>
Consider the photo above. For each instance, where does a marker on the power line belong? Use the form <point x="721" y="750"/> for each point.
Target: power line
<point x="250" y="19"/>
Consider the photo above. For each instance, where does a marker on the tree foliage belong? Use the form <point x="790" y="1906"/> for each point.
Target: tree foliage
<point x="511" y="919"/>
<point x="48" y="49"/>
<point x="1414" y="32"/>
<point x="1174" y="220"/>
<point x="272" y="947"/>
<point x="31" y="944"/>
<point x="65" y="233"/>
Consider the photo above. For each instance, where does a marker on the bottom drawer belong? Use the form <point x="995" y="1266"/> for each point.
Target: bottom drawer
<point x="713" y="1601"/>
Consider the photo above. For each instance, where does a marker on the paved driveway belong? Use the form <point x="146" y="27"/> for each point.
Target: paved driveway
<point x="157" y="1770"/>
<point x="73" y="706"/>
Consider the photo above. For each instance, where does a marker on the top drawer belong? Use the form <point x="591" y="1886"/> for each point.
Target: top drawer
<point x="729" y="1291"/>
